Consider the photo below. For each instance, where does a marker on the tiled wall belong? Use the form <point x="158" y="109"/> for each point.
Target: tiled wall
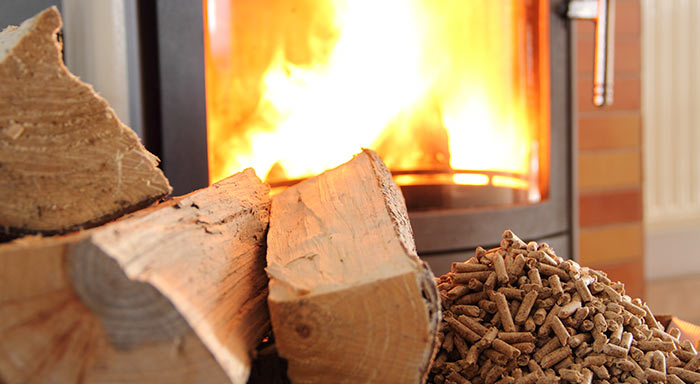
<point x="609" y="156"/>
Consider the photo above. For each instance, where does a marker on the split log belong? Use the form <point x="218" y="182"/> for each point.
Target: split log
<point x="350" y="300"/>
<point x="171" y="294"/>
<point x="66" y="161"/>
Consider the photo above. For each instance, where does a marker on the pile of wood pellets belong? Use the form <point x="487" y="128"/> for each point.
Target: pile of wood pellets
<point x="521" y="314"/>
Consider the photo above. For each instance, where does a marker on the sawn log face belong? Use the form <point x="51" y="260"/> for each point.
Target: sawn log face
<point x="349" y="301"/>
<point x="66" y="161"/>
<point x="171" y="294"/>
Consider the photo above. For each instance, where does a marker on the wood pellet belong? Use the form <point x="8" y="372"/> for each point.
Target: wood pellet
<point x="521" y="314"/>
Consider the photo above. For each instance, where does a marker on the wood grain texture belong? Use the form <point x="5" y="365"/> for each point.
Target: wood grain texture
<point x="171" y="294"/>
<point x="66" y="161"/>
<point x="350" y="301"/>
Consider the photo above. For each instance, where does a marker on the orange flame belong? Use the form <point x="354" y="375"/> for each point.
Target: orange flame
<point x="297" y="87"/>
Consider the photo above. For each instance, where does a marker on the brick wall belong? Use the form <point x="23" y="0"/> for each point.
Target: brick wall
<point x="609" y="156"/>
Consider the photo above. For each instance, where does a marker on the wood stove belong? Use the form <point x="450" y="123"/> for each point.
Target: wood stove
<point x="449" y="218"/>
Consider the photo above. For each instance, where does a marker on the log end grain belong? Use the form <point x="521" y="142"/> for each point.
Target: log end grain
<point x="51" y="335"/>
<point x="348" y="295"/>
<point x="67" y="162"/>
<point x="175" y="293"/>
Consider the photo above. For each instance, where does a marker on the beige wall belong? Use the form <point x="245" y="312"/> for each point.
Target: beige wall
<point x="671" y="112"/>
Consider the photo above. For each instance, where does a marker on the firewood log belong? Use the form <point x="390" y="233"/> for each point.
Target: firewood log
<point x="171" y="294"/>
<point x="350" y="301"/>
<point x="66" y="161"/>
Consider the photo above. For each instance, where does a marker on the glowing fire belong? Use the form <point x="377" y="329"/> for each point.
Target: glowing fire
<point x="445" y="87"/>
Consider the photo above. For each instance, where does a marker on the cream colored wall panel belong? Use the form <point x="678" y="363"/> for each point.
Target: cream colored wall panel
<point x="671" y="110"/>
<point x="671" y="135"/>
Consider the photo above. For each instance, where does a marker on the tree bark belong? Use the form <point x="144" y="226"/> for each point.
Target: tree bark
<point x="171" y="294"/>
<point x="350" y="301"/>
<point x="66" y="161"/>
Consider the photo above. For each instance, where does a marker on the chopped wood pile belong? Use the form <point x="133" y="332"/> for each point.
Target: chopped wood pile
<point x="173" y="293"/>
<point x="177" y="292"/>
<point x="521" y="314"/>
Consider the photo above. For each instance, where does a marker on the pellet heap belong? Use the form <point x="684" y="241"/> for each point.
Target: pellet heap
<point x="521" y="314"/>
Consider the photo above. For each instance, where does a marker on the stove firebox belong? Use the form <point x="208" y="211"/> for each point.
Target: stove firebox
<point x="448" y="216"/>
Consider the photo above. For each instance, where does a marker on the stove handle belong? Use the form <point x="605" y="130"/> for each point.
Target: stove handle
<point x="602" y="12"/>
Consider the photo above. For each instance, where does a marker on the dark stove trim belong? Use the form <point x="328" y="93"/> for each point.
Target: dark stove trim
<point x="178" y="27"/>
<point x="173" y="73"/>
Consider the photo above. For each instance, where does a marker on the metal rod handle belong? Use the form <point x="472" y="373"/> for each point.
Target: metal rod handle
<point x="610" y="52"/>
<point x="602" y="12"/>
